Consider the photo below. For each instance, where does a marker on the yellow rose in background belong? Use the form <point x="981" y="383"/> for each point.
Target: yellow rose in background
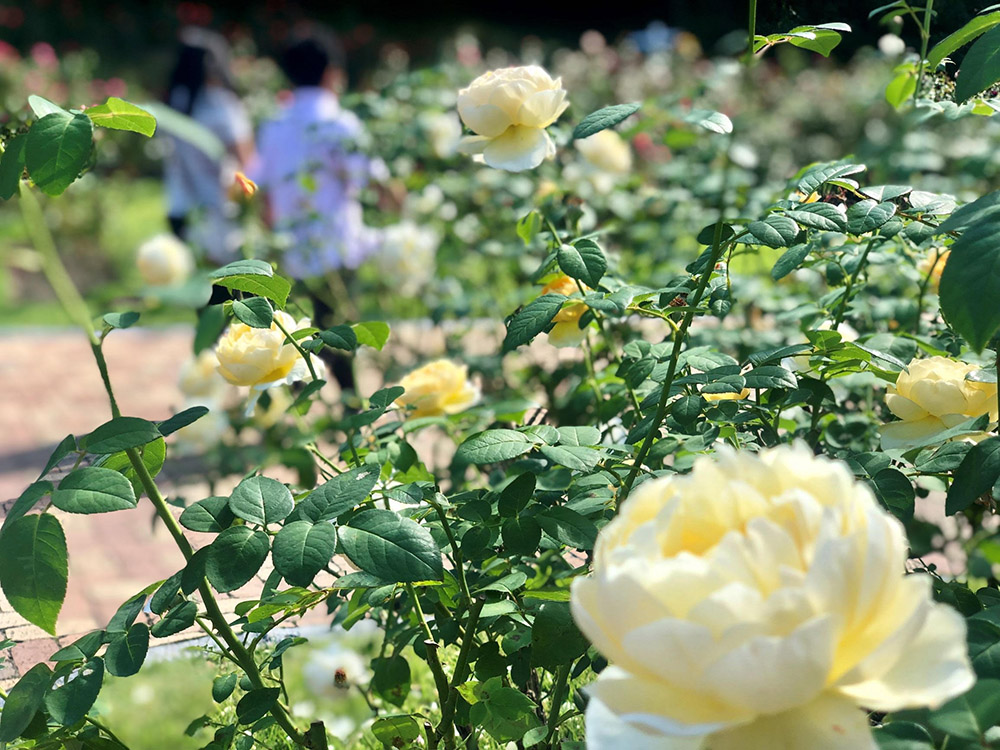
<point x="757" y="603"/>
<point x="932" y="397"/>
<point x="508" y="110"/>
<point x="567" y="332"/>
<point x="933" y="263"/>
<point x="164" y="260"/>
<point x="200" y="378"/>
<point x="439" y="387"/>
<point x="606" y="151"/>
<point x="260" y="357"/>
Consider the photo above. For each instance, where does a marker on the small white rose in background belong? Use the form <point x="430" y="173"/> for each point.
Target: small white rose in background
<point x="332" y="671"/>
<point x="932" y="396"/>
<point x="164" y="260"/>
<point x="444" y="131"/>
<point x="407" y="256"/>
<point x="891" y="45"/>
<point x="508" y="110"/>
<point x="607" y="151"/>
<point x="760" y="602"/>
<point x="261" y="358"/>
<point x="438" y="388"/>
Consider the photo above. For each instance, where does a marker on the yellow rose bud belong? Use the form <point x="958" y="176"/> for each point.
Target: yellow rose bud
<point x="933" y="263"/>
<point x="567" y="332"/>
<point x="508" y="110"/>
<point x="260" y="357"/>
<point x="934" y="396"/>
<point x="606" y="151"/>
<point x="164" y="260"/>
<point x="726" y="396"/>
<point x="245" y="185"/>
<point x="760" y="602"/>
<point x="439" y="387"/>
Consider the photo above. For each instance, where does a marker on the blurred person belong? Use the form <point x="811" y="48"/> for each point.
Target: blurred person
<point x="197" y="184"/>
<point x="310" y="168"/>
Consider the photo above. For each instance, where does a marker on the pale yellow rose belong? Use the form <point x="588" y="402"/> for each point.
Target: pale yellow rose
<point x="439" y="387"/>
<point x="164" y="260"/>
<point x="260" y="357"/>
<point x="407" y="256"/>
<point x="933" y="396"/>
<point x="508" y="110"/>
<point x="711" y="397"/>
<point x="281" y="401"/>
<point x="567" y="332"/>
<point x="200" y="378"/>
<point x="202" y="434"/>
<point x="758" y="603"/>
<point x="606" y="151"/>
<point x="933" y="263"/>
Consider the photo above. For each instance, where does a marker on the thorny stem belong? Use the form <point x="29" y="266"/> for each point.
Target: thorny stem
<point x="448" y="709"/>
<point x="455" y="549"/>
<point x="842" y="311"/>
<point x="76" y="308"/>
<point x="558" y="696"/>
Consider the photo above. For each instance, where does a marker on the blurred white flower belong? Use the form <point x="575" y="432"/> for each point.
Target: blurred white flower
<point x="164" y="260"/>
<point x="200" y="380"/>
<point x="444" y="131"/>
<point x="203" y="434"/>
<point x="607" y="151"/>
<point x="891" y="45"/>
<point x="407" y="256"/>
<point x="332" y="671"/>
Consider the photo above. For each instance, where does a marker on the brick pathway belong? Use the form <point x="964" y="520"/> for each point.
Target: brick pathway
<point x="51" y="387"/>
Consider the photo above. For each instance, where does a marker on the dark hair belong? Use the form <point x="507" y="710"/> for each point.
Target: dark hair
<point x="309" y="55"/>
<point x="203" y="54"/>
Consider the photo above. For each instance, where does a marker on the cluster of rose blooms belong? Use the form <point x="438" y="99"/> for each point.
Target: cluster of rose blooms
<point x="757" y="602"/>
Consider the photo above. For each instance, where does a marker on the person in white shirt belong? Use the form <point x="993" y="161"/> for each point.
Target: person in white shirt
<point x="197" y="184"/>
<point x="310" y="167"/>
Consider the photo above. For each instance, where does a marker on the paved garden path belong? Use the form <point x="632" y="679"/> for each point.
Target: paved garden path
<point x="49" y="387"/>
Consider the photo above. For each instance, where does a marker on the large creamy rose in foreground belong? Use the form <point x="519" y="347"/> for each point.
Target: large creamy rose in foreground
<point x="508" y="110"/>
<point x="439" y="387"/>
<point x="164" y="260"/>
<point x="567" y="332"/>
<point x="932" y="397"/>
<point x="759" y="603"/>
<point x="260" y="357"/>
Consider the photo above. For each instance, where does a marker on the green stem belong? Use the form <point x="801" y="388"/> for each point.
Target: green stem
<point x="679" y="338"/>
<point x="298" y="348"/>
<point x="752" y="31"/>
<point x="469" y="637"/>
<point x="923" y="290"/>
<point x="430" y="647"/>
<point x="842" y="311"/>
<point x="97" y="347"/>
<point x="558" y="697"/>
<point x="456" y="551"/>
<point x="925" y="37"/>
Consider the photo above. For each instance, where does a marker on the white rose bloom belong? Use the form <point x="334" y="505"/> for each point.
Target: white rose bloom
<point x="606" y="151"/>
<point x="407" y="256"/>
<point x="332" y="671"/>
<point x="760" y="602"/>
<point x="444" y="131"/>
<point x="508" y="110"/>
<point x="891" y="45"/>
<point x="200" y="378"/>
<point x="164" y="260"/>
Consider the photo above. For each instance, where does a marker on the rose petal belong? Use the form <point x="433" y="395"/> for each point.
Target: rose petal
<point x="518" y="148"/>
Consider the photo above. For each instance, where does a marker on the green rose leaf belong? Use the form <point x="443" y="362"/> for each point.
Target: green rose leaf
<point x="235" y="557"/>
<point x="119" y="114"/>
<point x="868" y="215"/>
<point x="34" y="492"/>
<point x="604" y="118"/>
<point x="23" y="701"/>
<point x="12" y="166"/>
<point x="261" y="500"/>
<point x="986" y="208"/>
<point x="34" y="568"/>
<point x="391" y="678"/>
<point x="127" y="651"/>
<point x="716" y="122"/>
<point x="555" y="639"/>
<point x="396" y="730"/>
<point x="211" y="515"/>
<point x="57" y="149"/>
<point x="505" y="713"/>
<point x="531" y="320"/>
<point x="275" y="288"/>
<point x="120" y="320"/>
<point x="958" y="39"/>
<point x="903" y="735"/>
<point x="774" y="231"/>
<point x="181" y="419"/>
<point x="120" y="434"/>
<point x="177" y="619"/>
<point x="339" y="495"/>
<point x="372" y="333"/>
<point x="821" y="216"/>
<point x="251" y="267"/>
<point x="789" y="261"/>
<point x="819" y="174"/>
<point x="223" y="686"/>
<point x="583" y="260"/>
<point x="895" y="491"/>
<point x="968" y="716"/>
<point x="493" y="446"/>
<point x="340" y="337"/>
<point x="71" y="701"/>
<point x="302" y="549"/>
<point x="94" y="489"/>
<point x="521" y="535"/>
<point x="391" y="547"/>
<point x="980" y="67"/>
<point x="83" y="648"/>
<point x="568" y="527"/>
<point x="256" y="312"/>
<point x="515" y="496"/>
<point x="971" y="275"/>
<point x="166" y="593"/>
<point x="255" y="704"/>
<point x="975" y="476"/>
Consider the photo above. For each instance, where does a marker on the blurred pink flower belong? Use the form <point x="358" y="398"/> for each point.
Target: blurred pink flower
<point x="44" y="55"/>
<point x="7" y="51"/>
<point x="115" y="87"/>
